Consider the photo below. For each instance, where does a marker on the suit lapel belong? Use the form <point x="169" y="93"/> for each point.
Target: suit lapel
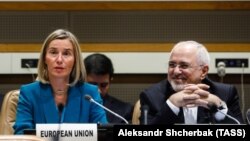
<point x="108" y="103"/>
<point x="73" y="107"/>
<point x="203" y="115"/>
<point x="49" y="107"/>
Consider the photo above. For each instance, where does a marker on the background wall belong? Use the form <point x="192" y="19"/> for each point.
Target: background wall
<point x="137" y="36"/>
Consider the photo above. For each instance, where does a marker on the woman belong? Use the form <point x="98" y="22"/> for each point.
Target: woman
<point x="58" y="95"/>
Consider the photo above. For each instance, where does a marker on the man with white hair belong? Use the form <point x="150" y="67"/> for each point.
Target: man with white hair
<point x="187" y="96"/>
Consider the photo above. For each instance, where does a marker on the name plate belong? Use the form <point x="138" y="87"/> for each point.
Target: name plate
<point x="67" y="132"/>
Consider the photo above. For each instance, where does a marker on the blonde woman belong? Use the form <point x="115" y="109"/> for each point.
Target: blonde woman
<point x="58" y="94"/>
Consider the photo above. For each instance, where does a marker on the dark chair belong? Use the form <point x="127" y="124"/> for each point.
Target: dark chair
<point x="248" y="116"/>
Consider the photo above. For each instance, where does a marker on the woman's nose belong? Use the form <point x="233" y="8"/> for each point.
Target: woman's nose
<point x="59" y="58"/>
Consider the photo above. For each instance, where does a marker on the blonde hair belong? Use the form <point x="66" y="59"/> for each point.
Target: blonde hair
<point x="78" y="72"/>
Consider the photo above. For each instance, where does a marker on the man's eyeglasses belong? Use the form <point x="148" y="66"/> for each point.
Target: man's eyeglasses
<point x="103" y="85"/>
<point x="182" y="65"/>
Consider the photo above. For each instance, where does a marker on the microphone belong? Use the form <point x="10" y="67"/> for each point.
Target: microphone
<point x="60" y="107"/>
<point x="221" y="69"/>
<point x="89" y="98"/>
<point x="145" y="109"/>
<point x="29" y="69"/>
<point x="213" y="109"/>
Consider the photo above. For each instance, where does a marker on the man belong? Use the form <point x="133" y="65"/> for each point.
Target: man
<point x="100" y="72"/>
<point x="187" y="96"/>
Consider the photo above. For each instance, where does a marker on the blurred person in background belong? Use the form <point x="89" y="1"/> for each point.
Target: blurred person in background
<point x="100" y="72"/>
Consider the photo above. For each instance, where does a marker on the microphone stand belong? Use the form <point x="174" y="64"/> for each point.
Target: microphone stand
<point x="232" y="118"/>
<point x="29" y="69"/>
<point x="145" y="114"/>
<point x="213" y="109"/>
<point x="60" y="108"/>
<point x="89" y="98"/>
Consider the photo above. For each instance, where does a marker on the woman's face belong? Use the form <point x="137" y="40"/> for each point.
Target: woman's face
<point x="60" y="59"/>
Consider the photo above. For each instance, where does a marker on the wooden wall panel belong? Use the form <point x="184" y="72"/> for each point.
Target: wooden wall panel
<point x="129" y="47"/>
<point x="180" y="5"/>
<point x="125" y="47"/>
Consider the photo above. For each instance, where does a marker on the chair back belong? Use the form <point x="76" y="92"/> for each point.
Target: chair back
<point x="136" y="113"/>
<point x="248" y="116"/>
<point x="8" y="112"/>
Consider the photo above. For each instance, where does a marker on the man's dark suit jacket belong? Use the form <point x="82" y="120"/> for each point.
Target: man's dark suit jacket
<point x="122" y="108"/>
<point x="160" y="113"/>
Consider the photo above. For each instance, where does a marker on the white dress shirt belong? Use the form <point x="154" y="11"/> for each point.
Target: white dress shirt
<point x="190" y="114"/>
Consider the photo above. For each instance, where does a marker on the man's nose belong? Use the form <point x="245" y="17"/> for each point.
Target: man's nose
<point x="177" y="69"/>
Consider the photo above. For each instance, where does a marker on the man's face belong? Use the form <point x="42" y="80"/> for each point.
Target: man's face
<point x="103" y="82"/>
<point x="183" y="68"/>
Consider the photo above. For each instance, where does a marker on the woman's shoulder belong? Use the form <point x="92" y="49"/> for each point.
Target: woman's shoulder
<point x="30" y="90"/>
<point x="30" y="85"/>
<point x="34" y="86"/>
<point x="88" y="89"/>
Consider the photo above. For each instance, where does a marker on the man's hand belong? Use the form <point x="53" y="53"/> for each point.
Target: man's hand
<point x="194" y="95"/>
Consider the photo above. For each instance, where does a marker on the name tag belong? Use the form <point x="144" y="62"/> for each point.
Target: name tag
<point x="67" y="132"/>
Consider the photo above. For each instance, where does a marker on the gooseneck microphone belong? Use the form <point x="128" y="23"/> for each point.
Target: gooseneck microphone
<point x="29" y="69"/>
<point x="145" y="109"/>
<point x="60" y="107"/>
<point x="213" y="109"/>
<point x="60" y="110"/>
<point x="89" y="98"/>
